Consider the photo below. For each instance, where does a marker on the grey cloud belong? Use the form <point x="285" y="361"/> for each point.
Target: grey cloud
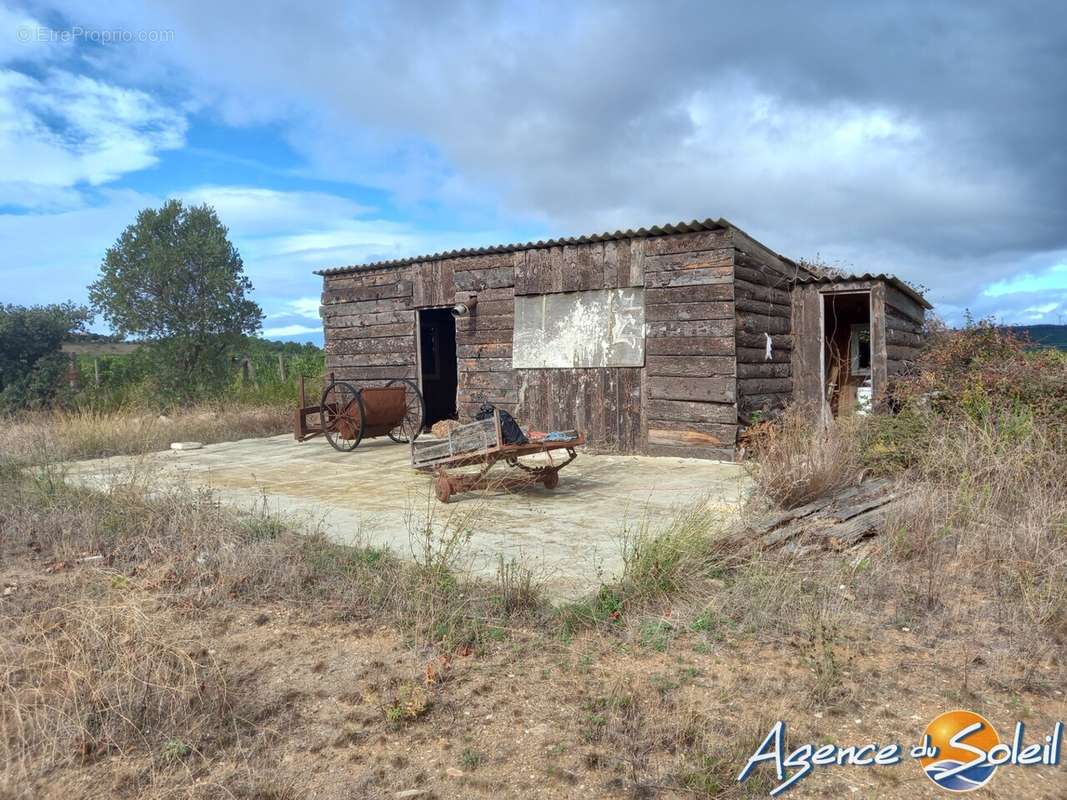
<point x="926" y="137"/>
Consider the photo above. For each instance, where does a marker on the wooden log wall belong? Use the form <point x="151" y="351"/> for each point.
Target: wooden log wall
<point x="369" y="325"/>
<point x="762" y="283"/>
<point x="682" y="402"/>
<point x="690" y="397"/>
<point x="904" y="321"/>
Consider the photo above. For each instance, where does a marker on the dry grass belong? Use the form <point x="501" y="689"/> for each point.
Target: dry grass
<point x="660" y="685"/>
<point x="803" y="457"/>
<point x="103" y="676"/>
<point x="982" y="537"/>
<point x="65" y="435"/>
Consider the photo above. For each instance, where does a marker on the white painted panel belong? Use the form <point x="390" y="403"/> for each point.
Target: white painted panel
<point x="601" y="328"/>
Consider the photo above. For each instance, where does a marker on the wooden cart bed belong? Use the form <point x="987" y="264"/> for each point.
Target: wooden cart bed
<point x="481" y="444"/>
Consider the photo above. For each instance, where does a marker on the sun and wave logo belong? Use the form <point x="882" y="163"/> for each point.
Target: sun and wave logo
<point x="961" y="742"/>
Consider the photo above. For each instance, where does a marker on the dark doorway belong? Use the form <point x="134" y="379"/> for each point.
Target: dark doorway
<point x="847" y="378"/>
<point x="437" y="363"/>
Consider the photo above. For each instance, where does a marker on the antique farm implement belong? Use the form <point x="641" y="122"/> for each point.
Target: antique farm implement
<point x="346" y="415"/>
<point x="481" y="444"/>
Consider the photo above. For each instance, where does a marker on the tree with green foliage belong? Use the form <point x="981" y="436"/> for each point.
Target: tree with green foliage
<point x="174" y="281"/>
<point x="31" y="364"/>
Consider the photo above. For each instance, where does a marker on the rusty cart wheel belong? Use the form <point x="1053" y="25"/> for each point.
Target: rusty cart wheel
<point x="551" y="480"/>
<point x="411" y="426"/>
<point x="442" y="488"/>
<point x="342" y="416"/>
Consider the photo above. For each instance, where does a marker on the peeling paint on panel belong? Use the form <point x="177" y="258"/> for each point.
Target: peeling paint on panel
<point x="601" y="328"/>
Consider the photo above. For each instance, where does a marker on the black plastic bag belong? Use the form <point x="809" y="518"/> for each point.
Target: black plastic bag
<point x="510" y="431"/>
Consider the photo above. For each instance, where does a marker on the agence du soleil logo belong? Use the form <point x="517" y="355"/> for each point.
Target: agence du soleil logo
<point x="960" y="752"/>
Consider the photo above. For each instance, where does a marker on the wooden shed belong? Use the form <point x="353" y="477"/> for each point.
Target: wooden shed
<point x="659" y="341"/>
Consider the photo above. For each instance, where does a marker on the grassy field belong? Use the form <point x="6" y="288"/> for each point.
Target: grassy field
<point x="33" y="437"/>
<point x="168" y="647"/>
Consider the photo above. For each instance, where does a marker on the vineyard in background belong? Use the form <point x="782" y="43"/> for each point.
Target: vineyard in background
<point x="262" y="373"/>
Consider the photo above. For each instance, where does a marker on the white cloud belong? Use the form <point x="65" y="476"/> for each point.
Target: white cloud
<point x="66" y="129"/>
<point x="291" y="330"/>
<point x="253" y="211"/>
<point x="1055" y="277"/>
<point x="1041" y="310"/>
<point x="20" y="38"/>
<point x="307" y="307"/>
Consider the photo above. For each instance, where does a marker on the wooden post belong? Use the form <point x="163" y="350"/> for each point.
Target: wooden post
<point x="281" y="367"/>
<point x="879" y="357"/>
<point x="96" y="371"/>
<point x="244" y="370"/>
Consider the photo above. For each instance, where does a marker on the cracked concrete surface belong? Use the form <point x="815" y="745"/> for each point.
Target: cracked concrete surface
<point x="570" y="536"/>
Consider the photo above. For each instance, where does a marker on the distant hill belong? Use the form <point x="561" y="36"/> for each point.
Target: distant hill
<point x="1043" y="335"/>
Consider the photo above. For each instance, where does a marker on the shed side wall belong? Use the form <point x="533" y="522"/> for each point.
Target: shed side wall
<point x="762" y="284"/>
<point x="904" y="320"/>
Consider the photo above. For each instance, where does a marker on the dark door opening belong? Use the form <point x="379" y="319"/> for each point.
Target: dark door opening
<point x="847" y="378"/>
<point x="437" y="363"/>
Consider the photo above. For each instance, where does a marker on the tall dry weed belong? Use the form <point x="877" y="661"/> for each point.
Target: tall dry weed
<point x="804" y="456"/>
<point x="85" y="433"/>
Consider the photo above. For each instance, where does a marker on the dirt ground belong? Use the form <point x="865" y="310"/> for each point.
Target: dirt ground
<point x="571" y="534"/>
<point x="525" y="716"/>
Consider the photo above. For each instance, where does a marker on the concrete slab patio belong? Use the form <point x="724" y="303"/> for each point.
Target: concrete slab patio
<point x="571" y="536"/>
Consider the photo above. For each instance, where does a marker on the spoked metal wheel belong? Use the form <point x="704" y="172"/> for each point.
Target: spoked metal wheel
<point x="342" y="416"/>
<point x="411" y="426"/>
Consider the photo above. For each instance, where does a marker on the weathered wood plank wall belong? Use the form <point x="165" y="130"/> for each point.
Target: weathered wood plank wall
<point x="713" y="298"/>
<point x="805" y="360"/>
<point x="904" y="321"/>
<point x="683" y="402"/>
<point x="690" y="384"/>
<point x="483" y="338"/>
<point x="762" y="282"/>
<point x="604" y="402"/>
<point x="369" y="325"/>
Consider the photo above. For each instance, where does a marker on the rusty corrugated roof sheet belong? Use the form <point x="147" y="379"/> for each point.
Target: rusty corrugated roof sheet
<point x="640" y="233"/>
<point x="890" y="280"/>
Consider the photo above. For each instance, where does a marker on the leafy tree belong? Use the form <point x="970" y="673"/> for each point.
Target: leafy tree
<point x="31" y="364"/>
<point x="174" y="280"/>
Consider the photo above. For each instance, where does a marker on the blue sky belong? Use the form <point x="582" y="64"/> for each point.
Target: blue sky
<point x="371" y="131"/>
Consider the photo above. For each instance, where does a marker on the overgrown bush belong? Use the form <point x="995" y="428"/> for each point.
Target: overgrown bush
<point x="985" y="374"/>
<point x="31" y="364"/>
<point x="980" y="379"/>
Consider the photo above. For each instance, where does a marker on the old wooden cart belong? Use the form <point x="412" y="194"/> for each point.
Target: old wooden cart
<point x="481" y="444"/>
<point x="346" y="415"/>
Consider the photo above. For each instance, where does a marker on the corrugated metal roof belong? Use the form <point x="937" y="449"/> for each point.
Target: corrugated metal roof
<point x="640" y="233"/>
<point x="890" y="280"/>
